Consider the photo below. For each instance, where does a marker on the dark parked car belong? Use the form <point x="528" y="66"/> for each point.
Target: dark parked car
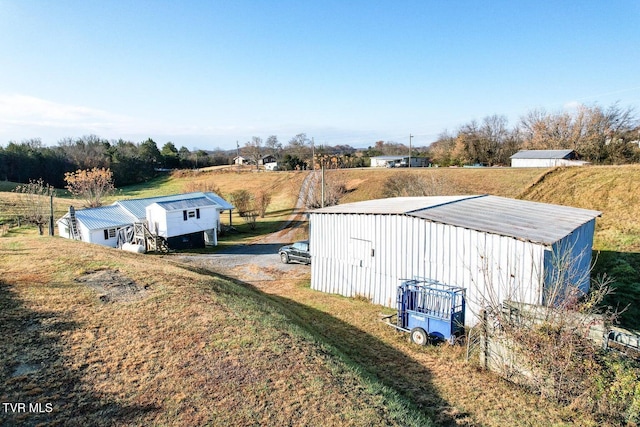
<point x="298" y="251"/>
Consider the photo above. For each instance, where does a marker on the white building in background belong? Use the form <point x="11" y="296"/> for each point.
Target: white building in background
<point x="398" y="161"/>
<point x="546" y="159"/>
<point x="497" y="248"/>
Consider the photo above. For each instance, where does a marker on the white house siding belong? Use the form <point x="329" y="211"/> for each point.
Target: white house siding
<point x="404" y="247"/>
<point x="171" y="223"/>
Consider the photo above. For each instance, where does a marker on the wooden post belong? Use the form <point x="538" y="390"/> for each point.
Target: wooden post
<point x="51" y="215"/>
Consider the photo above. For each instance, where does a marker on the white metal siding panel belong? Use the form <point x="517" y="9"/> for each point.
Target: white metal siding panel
<point x="172" y="223"/>
<point x="488" y="265"/>
<point x="533" y="163"/>
<point x="577" y="262"/>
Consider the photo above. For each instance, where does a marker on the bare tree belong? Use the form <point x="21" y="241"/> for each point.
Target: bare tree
<point x="273" y="146"/>
<point x="253" y="150"/>
<point x="300" y="146"/>
<point x="35" y="200"/>
<point x="245" y="204"/>
<point x="334" y="189"/>
<point x="263" y="199"/>
<point x="403" y="184"/>
<point x="92" y="185"/>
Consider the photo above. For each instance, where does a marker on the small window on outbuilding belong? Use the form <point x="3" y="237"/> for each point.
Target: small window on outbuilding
<point x="184" y="215"/>
<point x="192" y="214"/>
<point x="109" y="233"/>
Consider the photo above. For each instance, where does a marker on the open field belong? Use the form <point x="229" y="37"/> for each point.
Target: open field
<point x="112" y="337"/>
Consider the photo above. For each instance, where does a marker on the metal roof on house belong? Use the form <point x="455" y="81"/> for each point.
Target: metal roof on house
<point x="542" y="154"/>
<point x="126" y="212"/>
<point x="104" y="217"/>
<point x="531" y="221"/>
<point x="225" y="206"/>
<point x="138" y="207"/>
<point x="187" y="204"/>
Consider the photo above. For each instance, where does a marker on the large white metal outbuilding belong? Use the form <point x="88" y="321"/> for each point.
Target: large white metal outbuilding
<point x="546" y="159"/>
<point x="496" y="248"/>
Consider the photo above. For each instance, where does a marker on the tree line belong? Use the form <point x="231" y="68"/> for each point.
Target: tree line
<point x="130" y="162"/>
<point x="599" y="135"/>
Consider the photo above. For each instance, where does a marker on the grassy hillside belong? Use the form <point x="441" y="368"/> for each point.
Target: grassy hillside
<point x="107" y="337"/>
<point x="112" y="337"/>
<point x="612" y="190"/>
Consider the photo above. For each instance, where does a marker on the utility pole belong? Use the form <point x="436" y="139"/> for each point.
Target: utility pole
<point x="410" y="136"/>
<point x="237" y="152"/>
<point x="322" y="183"/>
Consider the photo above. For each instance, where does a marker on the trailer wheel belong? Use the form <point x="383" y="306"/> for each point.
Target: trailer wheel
<point x="284" y="258"/>
<point x="419" y="336"/>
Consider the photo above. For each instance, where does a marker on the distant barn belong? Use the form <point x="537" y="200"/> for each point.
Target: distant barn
<point x="497" y="248"/>
<point x="546" y="159"/>
<point x="184" y="220"/>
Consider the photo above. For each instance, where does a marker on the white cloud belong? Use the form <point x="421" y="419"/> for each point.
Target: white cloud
<point x="24" y="116"/>
<point x="27" y="110"/>
<point x="572" y="105"/>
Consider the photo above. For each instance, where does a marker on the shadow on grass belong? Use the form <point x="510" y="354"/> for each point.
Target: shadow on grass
<point x="624" y="268"/>
<point x="242" y="229"/>
<point x="373" y="358"/>
<point x="35" y="372"/>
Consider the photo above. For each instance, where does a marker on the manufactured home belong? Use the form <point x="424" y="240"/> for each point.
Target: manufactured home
<point x="183" y="220"/>
<point x="496" y="248"/>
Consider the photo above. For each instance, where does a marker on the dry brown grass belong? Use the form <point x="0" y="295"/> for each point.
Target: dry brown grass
<point x="613" y="190"/>
<point x="199" y="350"/>
<point x="437" y="379"/>
<point x="366" y="184"/>
<point x="195" y="350"/>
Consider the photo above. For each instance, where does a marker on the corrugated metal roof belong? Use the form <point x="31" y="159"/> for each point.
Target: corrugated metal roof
<point x="138" y="206"/>
<point x="541" y="154"/>
<point x="226" y="206"/>
<point x="104" y="217"/>
<point x="394" y="205"/>
<point x="531" y="221"/>
<point x="187" y="204"/>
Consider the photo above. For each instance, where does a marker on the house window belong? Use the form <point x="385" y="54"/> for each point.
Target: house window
<point x="192" y="214"/>
<point x="184" y="215"/>
<point x="109" y="233"/>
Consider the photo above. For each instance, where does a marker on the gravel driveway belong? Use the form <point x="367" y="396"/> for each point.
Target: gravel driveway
<point x="258" y="261"/>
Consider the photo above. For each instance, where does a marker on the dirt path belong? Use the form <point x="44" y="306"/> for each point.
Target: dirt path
<point x="286" y="233"/>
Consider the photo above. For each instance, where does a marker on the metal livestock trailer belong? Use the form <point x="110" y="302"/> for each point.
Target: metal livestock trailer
<point x="429" y="309"/>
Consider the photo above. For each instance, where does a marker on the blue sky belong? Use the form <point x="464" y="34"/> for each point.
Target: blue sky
<point x="205" y="74"/>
